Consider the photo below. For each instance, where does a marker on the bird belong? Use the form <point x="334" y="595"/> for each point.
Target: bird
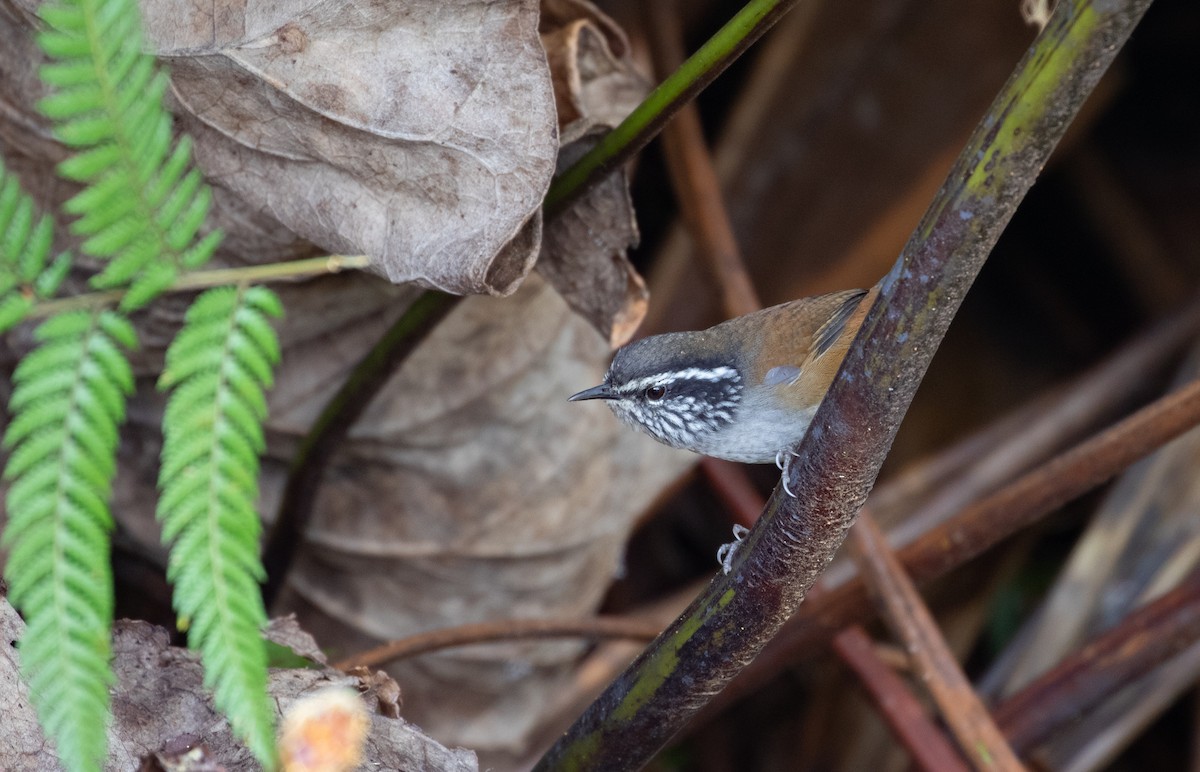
<point x="744" y="390"/>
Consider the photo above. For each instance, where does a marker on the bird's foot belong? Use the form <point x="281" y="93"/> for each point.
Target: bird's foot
<point x="726" y="551"/>
<point x="783" y="460"/>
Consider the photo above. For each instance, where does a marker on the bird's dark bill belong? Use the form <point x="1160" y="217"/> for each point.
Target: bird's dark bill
<point x="596" y="392"/>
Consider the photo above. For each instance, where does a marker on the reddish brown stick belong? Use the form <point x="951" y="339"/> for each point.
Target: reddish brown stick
<point x="694" y="178"/>
<point x="935" y="665"/>
<point x="502" y="630"/>
<point x="906" y="717"/>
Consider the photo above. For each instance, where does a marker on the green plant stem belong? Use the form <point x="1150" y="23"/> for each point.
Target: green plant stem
<point x="217" y="277"/>
<point x="648" y="118"/>
<point x="332" y="425"/>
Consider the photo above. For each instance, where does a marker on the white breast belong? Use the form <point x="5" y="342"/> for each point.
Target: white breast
<point x="757" y="433"/>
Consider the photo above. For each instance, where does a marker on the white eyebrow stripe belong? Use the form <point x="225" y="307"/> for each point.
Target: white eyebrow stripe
<point x="689" y="374"/>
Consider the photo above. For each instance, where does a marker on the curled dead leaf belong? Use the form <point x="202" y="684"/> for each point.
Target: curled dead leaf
<point x="584" y="249"/>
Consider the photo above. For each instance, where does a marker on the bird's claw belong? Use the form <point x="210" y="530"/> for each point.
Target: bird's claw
<point x="783" y="460"/>
<point x="726" y="552"/>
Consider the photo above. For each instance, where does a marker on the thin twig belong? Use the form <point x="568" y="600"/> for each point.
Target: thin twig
<point x="693" y="177"/>
<point x="1053" y="484"/>
<point x="910" y="621"/>
<point x="931" y="491"/>
<point x="1048" y="423"/>
<point x="648" y="118"/>
<point x="502" y="630"/>
<point x="294" y="270"/>
<point x="1095" y="740"/>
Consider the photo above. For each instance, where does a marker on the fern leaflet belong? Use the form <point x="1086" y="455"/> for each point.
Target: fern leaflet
<point x="217" y="368"/>
<point x="26" y="271"/>
<point x="143" y="205"/>
<point x="68" y="402"/>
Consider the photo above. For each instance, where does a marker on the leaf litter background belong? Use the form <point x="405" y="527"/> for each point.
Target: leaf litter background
<point x="424" y="134"/>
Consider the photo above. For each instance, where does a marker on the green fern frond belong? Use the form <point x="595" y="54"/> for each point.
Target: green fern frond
<point x="143" y="205"/>
<point x="68" y="401"/>
<point x="26" y="271"/>
<point x="217" y="368"/>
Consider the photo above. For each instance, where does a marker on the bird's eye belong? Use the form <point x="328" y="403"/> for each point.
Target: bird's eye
<point x="655" y="393"/>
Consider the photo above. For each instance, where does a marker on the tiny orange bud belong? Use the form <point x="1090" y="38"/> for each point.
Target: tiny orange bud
<point x="324" y="732"/>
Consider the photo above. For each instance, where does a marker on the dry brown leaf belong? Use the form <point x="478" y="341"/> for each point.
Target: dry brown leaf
<point x="286" y="632"/>
<point x="419" y="133"/>
<point x="22" y="744"/>
<point x="594" y="78"/>
<point x="470" y="491"/>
